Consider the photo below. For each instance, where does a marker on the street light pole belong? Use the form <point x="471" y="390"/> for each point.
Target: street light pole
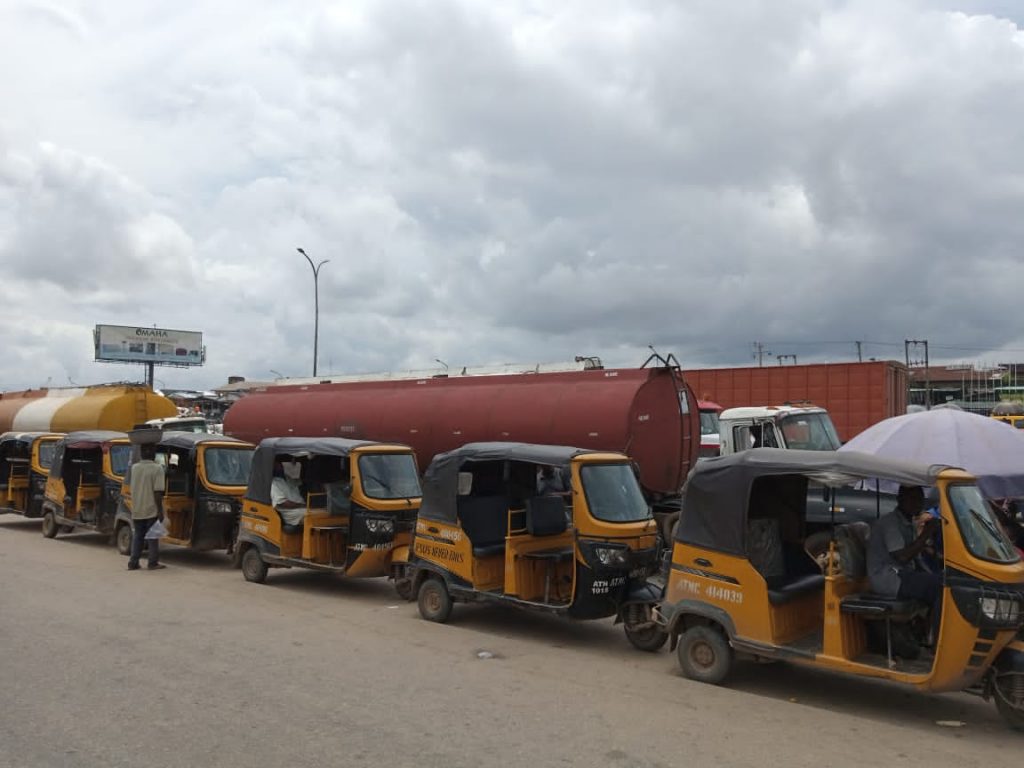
<point x="316" y="303"/>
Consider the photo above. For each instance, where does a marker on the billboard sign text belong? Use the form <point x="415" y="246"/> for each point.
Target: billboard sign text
<point x="137" y="344"/>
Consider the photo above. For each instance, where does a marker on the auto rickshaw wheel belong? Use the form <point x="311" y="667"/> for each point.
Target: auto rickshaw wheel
<point x="650" y="639"/>
<point x="1009" y="696"/>
<point x="253" y="567"/>
<point x="434" y="602"/>
<point x="123" y="539"/>
<point x="704" y="654"/>
<point x="50" y="526"/>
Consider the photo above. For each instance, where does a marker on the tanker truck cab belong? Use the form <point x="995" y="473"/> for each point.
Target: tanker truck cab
<point x="25" y="460"/>
<point x="329" y="504"/>
<point x="206" y="477"/>
<point x="83" y="489"/>
<point x="803" y="427"/>
<point x="710" y="428"/>
<point x="498" y="525"/>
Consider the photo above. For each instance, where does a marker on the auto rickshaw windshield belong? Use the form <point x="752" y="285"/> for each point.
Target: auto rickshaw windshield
<point x="613" y="493"/>
<point x="46" y="450"/>
<point x="120" y="459"/>
<point x="228" y="466"/>
<point x="981" y="532"/>
<point x="389" y="476"/>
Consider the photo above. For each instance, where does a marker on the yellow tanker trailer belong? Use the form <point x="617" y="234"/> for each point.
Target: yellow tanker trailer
<point x="117" y="407"/>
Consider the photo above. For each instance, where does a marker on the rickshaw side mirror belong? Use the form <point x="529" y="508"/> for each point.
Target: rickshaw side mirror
<point x="465" y="483"/>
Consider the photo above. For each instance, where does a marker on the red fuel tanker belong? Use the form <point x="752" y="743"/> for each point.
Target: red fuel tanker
<point x="648" y="413"/>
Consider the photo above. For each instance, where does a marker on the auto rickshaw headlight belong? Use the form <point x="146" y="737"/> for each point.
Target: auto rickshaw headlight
<point x="614" y="557"/>
<point x="380" y="526"/>
<point x="1002" y="609"/>
<point x="215" y="507"/>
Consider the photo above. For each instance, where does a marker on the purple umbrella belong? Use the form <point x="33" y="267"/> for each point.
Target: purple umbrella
<point x="990" y="450"/>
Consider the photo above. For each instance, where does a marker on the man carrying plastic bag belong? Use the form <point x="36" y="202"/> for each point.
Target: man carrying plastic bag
<point x="147" y="487"/>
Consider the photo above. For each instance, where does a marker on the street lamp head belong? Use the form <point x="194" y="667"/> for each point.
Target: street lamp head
<point x="301" y="251"/>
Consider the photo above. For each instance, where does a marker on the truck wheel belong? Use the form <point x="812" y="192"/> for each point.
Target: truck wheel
<point x="1009" y="696"/>
<point x="434" y="602"/>
<point x="403" y="584"/>
<point x="649" y="639"/>
<point x="253" y="567"/>
<point x="123" y="539"/>
<point x="50" y="526"/>
<point x="704" y="654"/>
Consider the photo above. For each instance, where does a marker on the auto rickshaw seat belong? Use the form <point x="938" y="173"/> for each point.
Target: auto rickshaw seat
<point x="802" y="585"/>
<point x="545" y="516"/>
<point x="290" y="527"/>
<point x="485" y="521"/>
<point x="872" y="606"/>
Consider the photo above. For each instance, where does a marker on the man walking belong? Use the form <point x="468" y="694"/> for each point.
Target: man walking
<point x="147" y="486"/>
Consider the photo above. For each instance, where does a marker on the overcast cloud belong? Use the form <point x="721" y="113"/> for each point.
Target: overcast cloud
<point x="500" y="182"/>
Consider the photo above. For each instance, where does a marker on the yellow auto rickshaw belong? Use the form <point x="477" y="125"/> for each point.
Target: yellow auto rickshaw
<point x="83" y="489"/>
<point x="745" y="579"/>
<point x="205" y="479"/>
<point x="25" y="460"/>
<point x="488" y="531"/>
<point x="359" y="501"/>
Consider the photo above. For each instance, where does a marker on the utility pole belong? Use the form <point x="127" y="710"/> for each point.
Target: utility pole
<point x="860" y="357"/>
<point x="760" y="352"/>
<point x="916" y="352"/>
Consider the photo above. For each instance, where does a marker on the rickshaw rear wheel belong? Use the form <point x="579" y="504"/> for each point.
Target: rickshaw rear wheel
<point x="434" y="602"/>
<point x="1012" y="714"/>
<point x="123" y="539"/>
<point x="704" y="654"/>
<point x="253" y="567"/>
<point x="650" y="639"/>
<point x="50" y="526"/>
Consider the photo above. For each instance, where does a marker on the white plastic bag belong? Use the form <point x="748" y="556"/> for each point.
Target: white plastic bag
<point x="157" y="530"/>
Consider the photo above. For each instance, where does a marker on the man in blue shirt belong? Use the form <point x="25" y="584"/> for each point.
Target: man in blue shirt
<point x="893" y="549"/>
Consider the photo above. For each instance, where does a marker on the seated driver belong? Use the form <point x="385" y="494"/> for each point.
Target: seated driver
<point x="285" y="493"/>
<point x="894" y="550"/>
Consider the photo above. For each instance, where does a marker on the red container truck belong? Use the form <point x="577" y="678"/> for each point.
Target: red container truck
<point x="856" y="395"/>
<point x="648" y="413"/>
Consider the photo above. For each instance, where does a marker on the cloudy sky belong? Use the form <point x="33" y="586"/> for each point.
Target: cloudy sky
<point x="508" y="182"/>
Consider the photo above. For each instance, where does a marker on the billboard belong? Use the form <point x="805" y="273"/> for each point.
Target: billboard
<point x="136" y="344"/>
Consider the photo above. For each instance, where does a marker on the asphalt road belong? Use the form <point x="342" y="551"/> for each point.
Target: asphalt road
<point x="191" y="666"/>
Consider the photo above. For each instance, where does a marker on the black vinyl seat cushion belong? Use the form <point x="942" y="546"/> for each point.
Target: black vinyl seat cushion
<point x="880" y="606"/>
<point x="291" y="527"/>
<point x="545" y="516"/>
<point x="485" y="522"/>
<point x="803" y="585"/>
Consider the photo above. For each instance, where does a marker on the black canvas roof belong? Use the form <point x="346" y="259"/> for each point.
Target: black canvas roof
<point x="717" y="492"/>
<point x="191" y="440"/>
<point x="440" y="481"/>
<point x="92" y="438"/>
<point x="262" y="473"/>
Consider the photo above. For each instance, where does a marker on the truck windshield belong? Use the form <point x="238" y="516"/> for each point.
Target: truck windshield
<point x="613" y="493"/>
<point x="228" y="466"/>
<point x="184" y="425"/>
<point x="389" y="476"/>
<point x="709" y="422"/>
<point x="810" y="432"/>
<point x="982" y="534"/>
